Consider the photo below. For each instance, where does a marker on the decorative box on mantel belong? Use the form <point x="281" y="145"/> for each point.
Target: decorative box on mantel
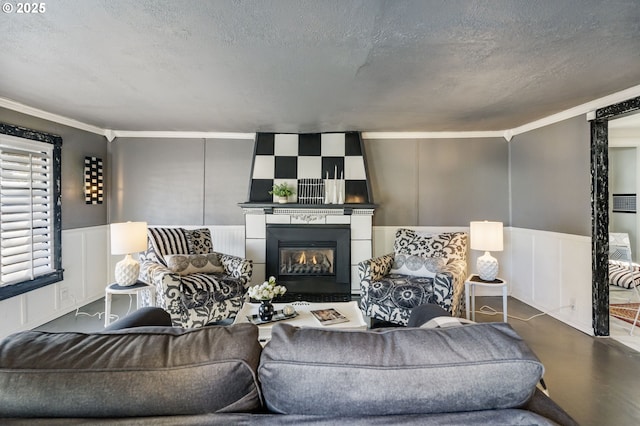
<point x="337" y="159"/>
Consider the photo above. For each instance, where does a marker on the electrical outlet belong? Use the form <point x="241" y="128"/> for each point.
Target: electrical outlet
<point x="572" y="302"/>
<point x="64" y="293"/>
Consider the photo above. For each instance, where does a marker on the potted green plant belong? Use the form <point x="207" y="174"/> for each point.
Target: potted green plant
<point x="282" y="191"/>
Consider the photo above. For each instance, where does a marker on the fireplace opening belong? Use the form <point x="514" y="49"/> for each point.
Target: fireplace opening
<point x="306" y="261"/>
<point x="312" y="261"/>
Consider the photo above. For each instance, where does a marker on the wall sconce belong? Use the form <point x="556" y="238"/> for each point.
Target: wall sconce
<point x="93" y="181"/>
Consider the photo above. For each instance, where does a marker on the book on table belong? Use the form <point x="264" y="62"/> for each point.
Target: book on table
<point x="329" y="316"/>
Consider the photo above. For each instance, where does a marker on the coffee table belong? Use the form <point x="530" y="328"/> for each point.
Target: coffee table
<point x="305" y="318"/>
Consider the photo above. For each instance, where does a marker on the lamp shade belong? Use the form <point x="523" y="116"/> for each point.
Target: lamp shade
<point x="128" y="237"/>
<point x="486" y="236"/>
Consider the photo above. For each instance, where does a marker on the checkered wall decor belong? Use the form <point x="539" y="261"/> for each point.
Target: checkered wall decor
<point x="280" y="158"/>
<point x="93" y="181"/>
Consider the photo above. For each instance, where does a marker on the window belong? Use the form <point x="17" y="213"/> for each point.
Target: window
<point x="30" y="221"/>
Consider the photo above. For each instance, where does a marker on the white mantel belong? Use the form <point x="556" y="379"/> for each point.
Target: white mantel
<point x="358" y="217"/>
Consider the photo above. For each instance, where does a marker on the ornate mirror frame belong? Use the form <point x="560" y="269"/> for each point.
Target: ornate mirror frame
<point x="600" y="209"/>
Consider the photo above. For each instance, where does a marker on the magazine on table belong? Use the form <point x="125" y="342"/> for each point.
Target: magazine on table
<point x="329" y="316"/>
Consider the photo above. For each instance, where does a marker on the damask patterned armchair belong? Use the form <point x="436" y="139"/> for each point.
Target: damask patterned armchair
<point x="193" y="283"/>
<point x="424" y="268"/>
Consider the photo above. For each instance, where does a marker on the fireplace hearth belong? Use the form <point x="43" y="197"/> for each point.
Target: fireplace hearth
<point x="312" y="261"/>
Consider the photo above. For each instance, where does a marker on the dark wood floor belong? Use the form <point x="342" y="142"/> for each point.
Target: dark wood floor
<point x="596" y="380"/>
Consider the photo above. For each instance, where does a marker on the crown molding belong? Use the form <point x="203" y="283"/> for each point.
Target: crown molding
<point x="179" y="135"/>
<point x="432" y="135"/>
<point x="112" y="134"/>
<point x="587" y="109"/>
<point x="60" y="119"/>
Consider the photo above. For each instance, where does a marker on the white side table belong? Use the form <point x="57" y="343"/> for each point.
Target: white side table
<point x="130" y="290"/>
<point x="470" y="290"/>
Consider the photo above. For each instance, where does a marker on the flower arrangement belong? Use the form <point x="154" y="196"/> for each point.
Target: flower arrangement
<point x="267" y="290"/>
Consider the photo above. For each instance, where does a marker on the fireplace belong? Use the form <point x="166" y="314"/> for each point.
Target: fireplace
<point x="338" y="231"/>
<point x="312" y="261"/>
<point x="307" y="260"/>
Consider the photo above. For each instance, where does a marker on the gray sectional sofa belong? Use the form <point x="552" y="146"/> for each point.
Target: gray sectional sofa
<point x="475" y="374"/>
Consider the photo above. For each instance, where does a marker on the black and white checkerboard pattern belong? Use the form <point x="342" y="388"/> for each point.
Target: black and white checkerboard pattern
<point x="281" y="158"/>
<point x="93" y="181"/>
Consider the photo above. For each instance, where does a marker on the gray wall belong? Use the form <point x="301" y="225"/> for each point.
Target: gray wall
<point x="439" y="182"/>
<point x="180" y="181"/>
<point x="414" y="182"/>
<point x="551" y="178"/>
<point x="76" y="144"/>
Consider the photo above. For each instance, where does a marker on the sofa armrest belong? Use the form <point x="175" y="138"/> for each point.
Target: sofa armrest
<point x="449" y="285"/>
<point x="237" y="267"/>
<point x="544" y="406"/>
<point x="375" y="268"/>
<point x="147" y="316"/>
<point x="168" y="287"/>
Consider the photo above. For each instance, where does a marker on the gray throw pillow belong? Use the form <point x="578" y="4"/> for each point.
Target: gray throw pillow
<point x="417" y="266"/>
<point x="185" y="264"/>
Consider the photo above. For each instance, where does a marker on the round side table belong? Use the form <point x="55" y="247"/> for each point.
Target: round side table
<point x="130" y="290"/>
<point x="470" y="293"/>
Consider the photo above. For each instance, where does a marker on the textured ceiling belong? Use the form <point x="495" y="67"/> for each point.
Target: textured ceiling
<point x="318" y="65"/>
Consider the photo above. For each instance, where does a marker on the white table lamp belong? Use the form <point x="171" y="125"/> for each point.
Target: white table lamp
<point x="486" y="236"/>
<point x="127" y="238"/>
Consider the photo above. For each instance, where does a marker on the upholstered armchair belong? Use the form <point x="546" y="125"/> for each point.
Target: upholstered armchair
<point x="195" y="284"/>
<point x="424" y="268"/>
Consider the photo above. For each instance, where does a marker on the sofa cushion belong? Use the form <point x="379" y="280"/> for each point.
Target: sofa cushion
<point x="448" y="245"/>
<point x="185" y="264"/>
<point x="416" y="266"/>
<point x="197" y="290"/>
<point x="396" y="371"/>
<point x="166" y="241"/>
<point x="147" y="371"/>
<point x="199" y="240"/>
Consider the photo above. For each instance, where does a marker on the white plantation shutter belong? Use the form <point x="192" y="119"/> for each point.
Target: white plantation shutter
<point x="26" y="210"/>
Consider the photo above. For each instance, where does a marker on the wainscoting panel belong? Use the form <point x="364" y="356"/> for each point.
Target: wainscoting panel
<point x="552" y="271"/>
<point x="228" y="239"/>
<point x="549" y="271"/>
<point x="85" y="262"/>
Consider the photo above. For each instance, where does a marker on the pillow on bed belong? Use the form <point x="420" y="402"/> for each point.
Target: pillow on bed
<point x="621" y="275"/>
<point x="184" y="264"/>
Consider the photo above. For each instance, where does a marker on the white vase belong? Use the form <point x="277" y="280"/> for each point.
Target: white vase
<point x="283" y="199"/>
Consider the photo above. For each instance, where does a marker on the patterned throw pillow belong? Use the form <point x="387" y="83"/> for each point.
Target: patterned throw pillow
<point x="417" y="266"/>
<point x="199" y="241"/>
<point x="167" y="241"/>
<point x="447" y="245"/>
<point x="184" y="264"/>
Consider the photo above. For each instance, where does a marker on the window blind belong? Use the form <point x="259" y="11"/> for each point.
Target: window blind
<point x="26" y="211"/>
